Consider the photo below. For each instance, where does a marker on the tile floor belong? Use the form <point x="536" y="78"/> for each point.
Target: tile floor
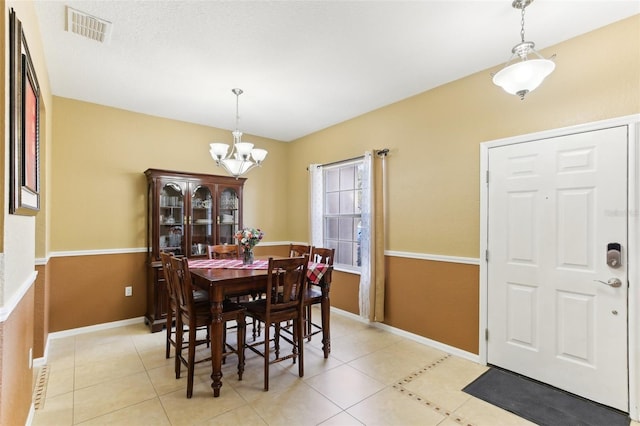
<point x="120" y="376"/>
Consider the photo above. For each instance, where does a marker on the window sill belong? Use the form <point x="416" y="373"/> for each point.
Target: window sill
<point x="347" y="269"/>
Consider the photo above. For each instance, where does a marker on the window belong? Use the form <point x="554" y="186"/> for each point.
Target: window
<point x="342" y="217"/>
<point x="342" y="186"/>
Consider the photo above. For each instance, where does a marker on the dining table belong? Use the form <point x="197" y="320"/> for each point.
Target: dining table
<point x="230" y="277"/>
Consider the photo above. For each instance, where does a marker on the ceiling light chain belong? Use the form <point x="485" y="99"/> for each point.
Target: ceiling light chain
<point x="522" y="24"/>
<point x="237" y="134"/>
<point x="523" y="76"/>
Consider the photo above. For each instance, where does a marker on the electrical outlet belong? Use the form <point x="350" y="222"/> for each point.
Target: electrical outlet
<point x="128" y="290"/>
<point x="30" y="357"/>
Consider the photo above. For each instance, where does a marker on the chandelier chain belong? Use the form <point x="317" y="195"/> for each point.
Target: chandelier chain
<point x="522" y="24"/>
<point x="237" y="92"/>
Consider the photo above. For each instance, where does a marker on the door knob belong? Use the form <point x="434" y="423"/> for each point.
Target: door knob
<point x="613" y="282"/>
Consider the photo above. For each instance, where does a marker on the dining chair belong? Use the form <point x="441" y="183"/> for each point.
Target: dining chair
<point x="296" y="250"/>
<point x="223" y="251"/>
<point x="283" y="302"/>
<point x="200" y="297"/>
<point x="313" y="291"/>
<point x="195" y="316"/>
<point x="232" y="251"/>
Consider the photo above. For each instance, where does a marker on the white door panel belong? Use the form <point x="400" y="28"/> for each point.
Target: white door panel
<point x="552" y="207"/>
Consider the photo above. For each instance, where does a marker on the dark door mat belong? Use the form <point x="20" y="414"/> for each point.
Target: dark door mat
<point x="541" y="403"/>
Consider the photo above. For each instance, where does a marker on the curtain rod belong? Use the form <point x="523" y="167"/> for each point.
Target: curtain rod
<point x="379" y="152"/>
<point x="333" y="163"/>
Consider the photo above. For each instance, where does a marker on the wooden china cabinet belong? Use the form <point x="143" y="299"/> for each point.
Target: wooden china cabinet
<point x="185" y="213"/>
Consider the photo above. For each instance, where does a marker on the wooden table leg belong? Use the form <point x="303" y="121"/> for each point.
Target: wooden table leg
<point x="325" y="304"/>
<point x="216" y="341"/>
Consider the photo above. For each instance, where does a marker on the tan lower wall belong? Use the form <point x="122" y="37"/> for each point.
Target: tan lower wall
<point x="41" y="311"/>
<point x="16" y="380"/>
<point x="89" y="290"/>
<point x="344" y="291"/>
<point x="271" y="250"/>
<point x="437" y="300"/>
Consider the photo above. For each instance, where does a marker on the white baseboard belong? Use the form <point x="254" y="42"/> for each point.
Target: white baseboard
<point x="39" y="362"/>
<point x="32" y="413"/>
<point x="416" y="338"/>
<point x="97" y="327"/>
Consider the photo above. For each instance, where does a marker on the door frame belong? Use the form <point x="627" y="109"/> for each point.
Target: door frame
<point x="633" y="238"/>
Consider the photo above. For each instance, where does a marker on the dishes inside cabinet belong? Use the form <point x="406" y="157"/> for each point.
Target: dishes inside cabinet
<point x="175" y="236"/>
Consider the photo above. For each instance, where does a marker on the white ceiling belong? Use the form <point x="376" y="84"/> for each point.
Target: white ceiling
<point x="303" y="65"/>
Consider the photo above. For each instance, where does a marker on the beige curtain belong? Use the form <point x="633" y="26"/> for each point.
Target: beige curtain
<point x="372" y="277"/>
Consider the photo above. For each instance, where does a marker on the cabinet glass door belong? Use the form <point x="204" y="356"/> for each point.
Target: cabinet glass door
<point x="171" y="218"/>
<point x="201" y="223"/>
<point x="228" y="219"/>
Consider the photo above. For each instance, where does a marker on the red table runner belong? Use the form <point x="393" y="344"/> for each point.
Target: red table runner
<point x="227" y="264"/>
<point x="315" y="271"/>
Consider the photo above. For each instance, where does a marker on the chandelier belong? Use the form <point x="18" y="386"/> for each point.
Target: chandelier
<point x="525" y="74"/>
<point x="243" y="156"/>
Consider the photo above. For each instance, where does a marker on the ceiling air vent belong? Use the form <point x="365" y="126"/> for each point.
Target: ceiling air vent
<point x="88" y="26"/>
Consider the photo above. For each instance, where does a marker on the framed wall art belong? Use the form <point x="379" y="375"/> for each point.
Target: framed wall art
<point x="24" y="119"/>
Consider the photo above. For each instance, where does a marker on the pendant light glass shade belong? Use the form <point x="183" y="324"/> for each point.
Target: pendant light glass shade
<point x="523" y="77"/>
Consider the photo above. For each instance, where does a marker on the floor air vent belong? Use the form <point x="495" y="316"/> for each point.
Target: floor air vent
<point x="88" y="26"/>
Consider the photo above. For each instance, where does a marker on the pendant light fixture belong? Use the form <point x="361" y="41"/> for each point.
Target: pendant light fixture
<point x="243" y="156"/>
<point x="525" y="74"/>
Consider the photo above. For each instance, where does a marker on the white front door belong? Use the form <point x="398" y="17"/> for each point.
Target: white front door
<point x="555" y="207"/>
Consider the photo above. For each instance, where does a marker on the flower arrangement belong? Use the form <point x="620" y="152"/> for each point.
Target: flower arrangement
<point x="249" y="237"/>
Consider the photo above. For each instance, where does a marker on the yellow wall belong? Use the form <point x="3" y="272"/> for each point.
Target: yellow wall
<point x="434" y="137"/>
<point x="98" y="185"/>
<point x="433" y="171"/>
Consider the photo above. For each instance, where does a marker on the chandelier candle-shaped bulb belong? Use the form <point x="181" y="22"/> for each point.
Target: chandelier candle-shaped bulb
<point x="524" y="76"/>
<point x="243" y="157"/>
